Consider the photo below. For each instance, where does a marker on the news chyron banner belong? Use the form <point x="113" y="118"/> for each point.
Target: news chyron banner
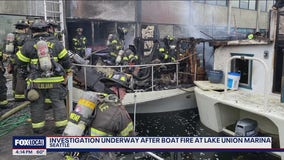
<point x="38" y="145"/>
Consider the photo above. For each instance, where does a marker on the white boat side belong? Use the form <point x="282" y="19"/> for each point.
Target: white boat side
<point x="154" y="101"/>
<point x="219" y="108"/>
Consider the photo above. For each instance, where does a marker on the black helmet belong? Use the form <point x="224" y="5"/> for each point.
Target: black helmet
<point x="128" y="52"/>
<point x="117" y="79"/>
<point x="39" y="26"/>
<point x="21" y="24"/>
<point x="52" y="22"/>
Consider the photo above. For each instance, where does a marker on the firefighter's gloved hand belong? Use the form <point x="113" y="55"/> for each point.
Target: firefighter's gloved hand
<point x="68" y="74"/>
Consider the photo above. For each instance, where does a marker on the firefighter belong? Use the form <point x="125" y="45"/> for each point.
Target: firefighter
<point x="79" y="42"/>
<point x="48" y="64"/>
<point x="111" y="117"/>
<point x="163" y="55"/>
<point x="129" y="58"/>
<point x="170" y="46"/>
<point x="21" y="35"/>
<point x="3" y="87"/>
<point x="53" y="29"/>
<point x="115" y="48"/>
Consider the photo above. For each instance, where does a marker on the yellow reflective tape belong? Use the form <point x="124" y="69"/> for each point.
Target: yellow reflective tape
<point x="67" y="157"/>
<point x="250" y="36"/>
<point x="87" y="103"/>
<point x="161" y="49"/>
<point x="125" y="131"/>
<point x="4" y="102"/>
<point x="113" y="54"/>
<point x="96" y="132"/>
<point x="21" y="57"/>
<point x="166" y="56"/>
<point x="34" y="61"/>
<point x="123" y="78"/>
<point x="118" y="47"/>
<point x="38" y="125"/>
<point x="61" y="123"/>
<point x="62" y="53"/>
<point x="130" y="56"/>
<point x="49" y="79"/>
<point x="19" y="96"/>
<point x="55" y="59"/>
<point x="47" y="100"/>
<point x="114" y="41"/>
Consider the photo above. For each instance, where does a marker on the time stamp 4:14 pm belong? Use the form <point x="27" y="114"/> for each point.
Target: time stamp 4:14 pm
<point x="29" y="152"/>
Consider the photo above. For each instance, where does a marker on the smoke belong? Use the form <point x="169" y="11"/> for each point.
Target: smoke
<point x="204" y="21"/>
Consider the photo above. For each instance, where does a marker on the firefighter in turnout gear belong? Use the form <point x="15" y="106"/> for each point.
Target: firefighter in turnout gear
<point x="53" y="29"/>
<point x="129" y="58"/>
<point x="110" y="116"/>
<point x="79" y="42"/>
<point x="3" y="87"/>
<point x="47" y="63"/>
<point x="114" y="47"/>
<point x="164" y="56"/>
<point x="20" y="36"/>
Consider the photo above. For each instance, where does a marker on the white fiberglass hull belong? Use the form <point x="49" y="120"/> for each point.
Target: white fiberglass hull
<point x="155" y="101"/>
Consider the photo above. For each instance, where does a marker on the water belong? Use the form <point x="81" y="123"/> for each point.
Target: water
<point x="187" y="123"/>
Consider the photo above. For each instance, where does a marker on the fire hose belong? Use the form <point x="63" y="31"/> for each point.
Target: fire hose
<point x="9" y="122"/>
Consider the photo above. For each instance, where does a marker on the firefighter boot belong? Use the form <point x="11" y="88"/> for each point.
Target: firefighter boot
<point x="59" y="130"/>
<point x="4" y="104"/>
<point x="39" y="130"/>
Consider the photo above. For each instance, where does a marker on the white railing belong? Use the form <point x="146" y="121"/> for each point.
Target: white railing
<point x="249" y="58"/>
<point x="131" y="66"/>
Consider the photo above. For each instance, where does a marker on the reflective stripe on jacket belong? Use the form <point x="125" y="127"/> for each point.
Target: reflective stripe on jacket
<point x="112" y="119"/>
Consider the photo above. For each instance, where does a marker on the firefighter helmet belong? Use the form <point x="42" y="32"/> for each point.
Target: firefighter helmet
<point x="119" y="79"/>
<point x="170" y="38"/>
<point x="39" y="26"/>
<point x="128" y="52"/>
<point x="110" y="37"/>
<point x="79" y="29"/>
<point x="52" y="22"/>
<point x="21" y="24"/>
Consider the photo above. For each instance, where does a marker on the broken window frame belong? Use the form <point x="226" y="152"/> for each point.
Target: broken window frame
<point x="235" y="67"/>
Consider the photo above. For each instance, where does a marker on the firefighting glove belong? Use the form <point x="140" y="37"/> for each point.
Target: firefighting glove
<point x="68" y="74"/>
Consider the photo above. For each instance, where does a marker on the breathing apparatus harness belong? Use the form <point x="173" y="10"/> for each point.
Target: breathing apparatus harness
<point x="42" y="68"/>
<point x="80" y="121"/>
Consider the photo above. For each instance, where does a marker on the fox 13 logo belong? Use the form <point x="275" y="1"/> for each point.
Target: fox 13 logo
<point x="30" y="142"/>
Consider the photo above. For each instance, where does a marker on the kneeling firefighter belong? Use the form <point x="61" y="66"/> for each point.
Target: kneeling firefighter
<point x="47" y="64"/>
<point x="101" y="115"/>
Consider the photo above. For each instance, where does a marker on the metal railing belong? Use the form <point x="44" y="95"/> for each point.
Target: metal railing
<point x="142" y="66"/>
